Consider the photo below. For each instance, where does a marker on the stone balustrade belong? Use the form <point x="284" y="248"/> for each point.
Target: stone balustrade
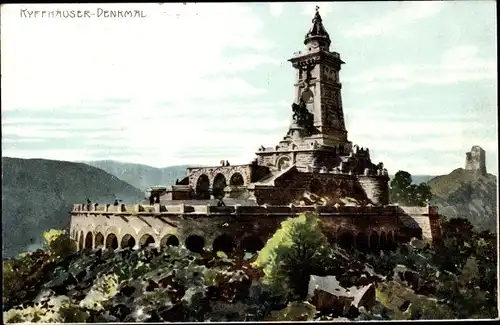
<point x="249" y="210"/>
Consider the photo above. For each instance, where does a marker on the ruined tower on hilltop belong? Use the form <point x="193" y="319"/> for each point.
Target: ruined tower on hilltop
<point x="475" y="159"/>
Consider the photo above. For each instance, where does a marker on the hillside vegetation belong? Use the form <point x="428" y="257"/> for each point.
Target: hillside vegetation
<point x="141" y="176"/>
<point x="38" y="195"/>
<point x="455" y="279"/>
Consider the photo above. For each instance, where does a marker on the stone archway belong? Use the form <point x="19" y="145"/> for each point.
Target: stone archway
<point x="195" y="243"/>
<point x="88" y="240"/>
<point x="128" y="241"/>
<point x="374" y="241"/>
<point x="146" y="240"/>
<point x="111" y="242"/>
<point x="203" y="187"/>
<point x="362" y="242"/>
<point x="224" y="243"/>
<point x="283" y="163"/>
<point x="346" y="240"/>
<point x="236" y="180"/>
<point x="99" y="240"/>
<point x="391" y="242"/>
<point x="80" y="240"/>
<point x="251" y="244"/>
<point x="169" y="240"/>
<point x="219" y="185"/>
<point x="383" y="241"/>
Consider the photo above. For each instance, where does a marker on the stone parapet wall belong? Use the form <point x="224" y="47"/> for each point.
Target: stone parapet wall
<point x="425" y="218"/>
<point x="81" y="209"/>
<point x="211" y="222"/>
<point x="376" y="188"/>
<point x="159" y="222"/>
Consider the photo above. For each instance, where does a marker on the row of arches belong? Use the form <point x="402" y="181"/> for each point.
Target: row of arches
<point x="203" y="185"/>
<point x="89" y="241"/>
<point x="194" y="243"/>
<point x="371" y="242"/>
<point x="367" y="242"/>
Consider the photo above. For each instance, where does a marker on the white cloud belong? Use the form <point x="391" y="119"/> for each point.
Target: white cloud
<point x="158" y="86"/>
<point x="169" y="89"/>
<point x="276" y="8"/>
<point x="458" y="64"/>
<point x="404" y="14"/>
<point x="155" y="57"/>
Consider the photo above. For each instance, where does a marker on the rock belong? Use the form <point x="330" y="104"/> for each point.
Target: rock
<point x="403" y="274"/>
<point x="366" y="297"/>
<point x="329" y="303"/>
<point x="328" y="295"/>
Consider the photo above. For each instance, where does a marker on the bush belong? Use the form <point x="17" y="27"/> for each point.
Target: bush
<point x="289" y="257"/>
<point x="58" y="244"/>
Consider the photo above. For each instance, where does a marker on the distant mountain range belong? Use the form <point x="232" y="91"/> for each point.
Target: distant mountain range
<point x="467" y="194"/>
<point x="141" y="176"/>
<point x="38" y="195"/>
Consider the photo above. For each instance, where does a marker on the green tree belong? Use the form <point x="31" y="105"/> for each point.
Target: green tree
<point x="404" y="192"/>
<point x="59" y="244"/>
<point x="294" y="251"/>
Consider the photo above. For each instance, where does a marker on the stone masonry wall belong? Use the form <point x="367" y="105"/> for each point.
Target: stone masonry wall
<point x="290" y="186"/>
<point x="209" y="222"/>
<point x="376" y="188"/>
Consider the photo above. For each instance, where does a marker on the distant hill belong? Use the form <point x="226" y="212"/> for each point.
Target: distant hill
<point x="467" y="194"/>
<point x="141" y="176"/>
<point x="38" y="195"/>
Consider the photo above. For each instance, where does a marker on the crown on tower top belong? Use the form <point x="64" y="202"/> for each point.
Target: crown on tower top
<point x="317" y="31"/>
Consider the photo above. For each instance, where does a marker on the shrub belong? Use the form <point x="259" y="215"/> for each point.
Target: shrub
<point x="59" y="244"/>
<point x="296" y="249"/>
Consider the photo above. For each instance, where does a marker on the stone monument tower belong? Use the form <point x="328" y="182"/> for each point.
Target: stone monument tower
<point x="475" y="159"/>
<point x="317" y="83"/>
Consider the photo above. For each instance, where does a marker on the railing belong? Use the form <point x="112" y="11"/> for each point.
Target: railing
<point x="251" y="210"/>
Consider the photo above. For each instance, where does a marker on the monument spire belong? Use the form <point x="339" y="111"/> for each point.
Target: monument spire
<point x="317" y="32"/>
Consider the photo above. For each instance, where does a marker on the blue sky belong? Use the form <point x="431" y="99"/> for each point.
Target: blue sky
<point x="197" y="83"/>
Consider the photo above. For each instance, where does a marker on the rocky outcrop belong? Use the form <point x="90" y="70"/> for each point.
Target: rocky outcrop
<point x="467" y="194"/>
<point x="329" y="297"/>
